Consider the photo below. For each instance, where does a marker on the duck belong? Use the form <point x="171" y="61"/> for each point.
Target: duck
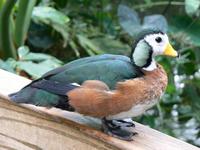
<point x="110" y="87"/>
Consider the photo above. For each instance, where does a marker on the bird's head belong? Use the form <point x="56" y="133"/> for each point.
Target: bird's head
<point x="150" y="43"/>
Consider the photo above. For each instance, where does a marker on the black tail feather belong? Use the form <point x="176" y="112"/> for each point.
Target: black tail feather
<point x="54" y="86"/>
<point x="45" y="93"/>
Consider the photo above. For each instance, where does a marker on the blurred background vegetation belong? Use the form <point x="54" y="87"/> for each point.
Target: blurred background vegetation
<point x="39" y="35"/>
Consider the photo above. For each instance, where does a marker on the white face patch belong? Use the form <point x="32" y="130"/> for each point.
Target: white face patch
<point x="158" y="42"/>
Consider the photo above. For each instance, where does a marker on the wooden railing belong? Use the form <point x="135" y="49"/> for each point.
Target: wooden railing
<point x="29" y="127"/>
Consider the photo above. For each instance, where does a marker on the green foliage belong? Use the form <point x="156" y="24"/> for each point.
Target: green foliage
<point x="129" y="19"/>
<point x="156" y="21"/>
<point x="6" y="65"/>
<point x="50" y="16"/>
<point x="35" y="64"/>
<point x="187" y="26"/>
<point x="1" y="3"/>
<point x="90" y="48"/>
<point x="8" y="30"/>
<point x="110" y="45"/>
<point x="7" y="47"/>
<point x="23" y="20"/>
<point x="192" y="7"/>
<point x="130" y="22"/>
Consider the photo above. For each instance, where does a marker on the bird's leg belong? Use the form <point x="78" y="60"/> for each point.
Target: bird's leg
<point x="116" y="130"/>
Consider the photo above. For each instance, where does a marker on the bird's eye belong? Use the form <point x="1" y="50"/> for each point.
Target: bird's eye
<point x="158" y="39"/>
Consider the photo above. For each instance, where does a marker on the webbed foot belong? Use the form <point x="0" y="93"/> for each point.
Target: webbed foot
<point x="119" y="129"/>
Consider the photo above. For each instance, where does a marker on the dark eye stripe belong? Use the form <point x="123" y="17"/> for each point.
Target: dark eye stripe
<point x="158" y="39"/>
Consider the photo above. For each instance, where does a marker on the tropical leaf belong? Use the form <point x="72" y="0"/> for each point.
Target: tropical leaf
<point x="35" y="64"/>
<point x="88" y="45"/>
<point x="25" y="55"/>
<point x="111" y="45"/>
<point x="33" y="69"/>
<point x="186" y="25"/>
<point x="155" y="21"/>
<point x="6" y="66"/>
<point x="50" y="16"/>
<point x="192" y="7"/>
<point x="129" y="20"/>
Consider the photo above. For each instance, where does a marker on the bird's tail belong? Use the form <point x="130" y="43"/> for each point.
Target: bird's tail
<point x="45" y="93"/>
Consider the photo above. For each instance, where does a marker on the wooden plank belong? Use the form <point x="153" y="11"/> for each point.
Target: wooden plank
<point x="25" y="129"/>
<point x="31" y="127"/>
<point x="10" y="83"/>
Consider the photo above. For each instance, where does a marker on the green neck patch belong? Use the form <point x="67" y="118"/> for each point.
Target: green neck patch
<point x="142" y="55"/>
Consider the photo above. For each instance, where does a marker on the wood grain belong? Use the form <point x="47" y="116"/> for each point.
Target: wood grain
<point x="27" y="127"/>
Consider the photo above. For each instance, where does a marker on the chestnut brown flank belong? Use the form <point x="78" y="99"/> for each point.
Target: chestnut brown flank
<point x="95" y="99"/>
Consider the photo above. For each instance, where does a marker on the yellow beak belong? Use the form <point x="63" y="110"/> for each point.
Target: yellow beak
<point x="169" y="51"/>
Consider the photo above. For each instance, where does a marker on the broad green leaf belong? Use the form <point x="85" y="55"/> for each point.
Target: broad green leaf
<point x="23" y="51"/>
<point x="33" y="69"/>
<point x="6" y="66"/>
<point x="36" y="70"/>
<point x="192" y="7"/>
<point x="40" y="57"/>
<point x="35" y="64"/>
<point x="183" y="24"/>
<point x="88" y="45"/>
<point x="50" y="16"/>
<point x="128" y="19"/>
<point x="110" y="45"/>
<point x="155" y="21"/>
<point x="26" y="55"/>
<point x="51" y="63"/>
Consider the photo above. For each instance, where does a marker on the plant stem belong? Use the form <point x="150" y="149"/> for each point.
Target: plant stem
<point x="23" y="20"/>
<point x="160" y="113"/>
<point x="1" y="5"/>
<point x="6" y="41"/>
<point x="152" y="4"/>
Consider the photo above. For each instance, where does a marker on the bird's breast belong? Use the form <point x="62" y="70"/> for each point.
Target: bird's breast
<point x="136" y="110"/>
<point x="140" y="94"/>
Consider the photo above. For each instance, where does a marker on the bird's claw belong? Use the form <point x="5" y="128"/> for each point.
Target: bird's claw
<point x="124" y="123"/>
<point x="118" y="129"/>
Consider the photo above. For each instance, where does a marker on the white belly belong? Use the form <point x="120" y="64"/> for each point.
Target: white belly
<point x="136" y="110"/>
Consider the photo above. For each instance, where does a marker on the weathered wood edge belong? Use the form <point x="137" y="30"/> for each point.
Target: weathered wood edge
<point x="50" y="118"/>
<point x="147" y="139"/>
